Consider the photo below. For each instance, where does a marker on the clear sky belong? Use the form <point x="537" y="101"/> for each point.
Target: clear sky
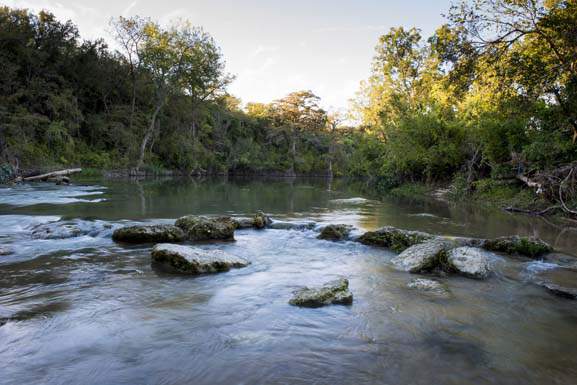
<point x="272" y="46"/>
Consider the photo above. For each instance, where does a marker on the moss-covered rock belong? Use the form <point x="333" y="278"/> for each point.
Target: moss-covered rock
<point x="261" y="220"/>
<point x="298" y="226"/>
<point x="258" y="221"/>
<point x="526" y="246"/>
<point x="334" y="292"/>
<point x="189" y="260"/>
<point x="149" y="234"/>
<point x="199" y="228"/>
<point x="423" y="257"/>
<point x="393" y="238"/>
<point x="335" y="232"/>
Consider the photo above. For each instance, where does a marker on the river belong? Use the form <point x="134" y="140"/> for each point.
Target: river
<point x="84" y="310"/>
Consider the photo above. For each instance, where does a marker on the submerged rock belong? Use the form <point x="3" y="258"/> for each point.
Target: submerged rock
<point x="5" y="250"/>
<point x="331" y="293"/>
<point x="393" y="238"/>
<point x="527" y="246"/>
<point x="69" y="229"/>
<point x="243" y="223"/>
<point x="423" y="257"/>
<point x="335" y="232"/>
<point x="199" y="228"/>
<point x="292" y="225"/>
<point x="259" y="221"/>
<point x="189" y="260"/>
<point x="469" y="261"/>
<point x="561" y="282"/>
<point x="149" y="234"/>
<point x="562" y="260"/>
<point x="57" y="230"/>
<point x="428" y="285"/>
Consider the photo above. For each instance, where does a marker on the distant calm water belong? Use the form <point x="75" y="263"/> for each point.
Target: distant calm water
<point x="84" y="310"/>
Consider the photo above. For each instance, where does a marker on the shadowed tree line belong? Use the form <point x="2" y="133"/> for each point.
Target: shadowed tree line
<point x="158" y="102"/>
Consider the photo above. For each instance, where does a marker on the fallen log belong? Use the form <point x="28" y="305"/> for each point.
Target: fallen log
<point x="53" y="174"/>
<point x="531" y="183"/>
<point x="544" y="212"/>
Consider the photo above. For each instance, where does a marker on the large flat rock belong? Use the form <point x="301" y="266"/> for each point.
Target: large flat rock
<point x="331" y="293"/>
<point x="149" y="234"/>
<point x="200" y="228"/>
<point x="423" y="257"/>
<point x="470" y="261"/>
<point x="393" y="238"/>
<point x="191" y="260"/>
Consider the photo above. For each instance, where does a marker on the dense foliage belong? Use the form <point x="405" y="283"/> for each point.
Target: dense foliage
<point x="159" y="102"/>
<point x="491" y="94"/>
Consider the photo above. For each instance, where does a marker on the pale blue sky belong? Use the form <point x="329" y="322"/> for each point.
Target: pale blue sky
<point x="273" y="47"/>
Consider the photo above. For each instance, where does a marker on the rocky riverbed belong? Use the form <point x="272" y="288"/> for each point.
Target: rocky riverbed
<point x="337" y="290"/>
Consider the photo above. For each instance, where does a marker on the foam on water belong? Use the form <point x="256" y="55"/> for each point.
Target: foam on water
<point x="351" y="201"/>
<point x="34" y="194"/>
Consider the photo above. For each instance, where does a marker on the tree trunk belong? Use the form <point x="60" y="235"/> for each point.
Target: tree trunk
<point x="133" y="102"/>
<point x="147" y="136"/>
<point x="294" y="151"/>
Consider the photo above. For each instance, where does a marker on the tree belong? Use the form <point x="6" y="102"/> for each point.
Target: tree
<point x="301" y="112"/>
<point x="203" y="76"/>
<point x="334" y="120"/>
<point x="180" y="59"/>
<point x="130" y="34"/>
<point x="532" y="42"/>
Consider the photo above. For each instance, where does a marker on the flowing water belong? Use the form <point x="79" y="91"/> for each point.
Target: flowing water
<point x="83" y="310"/>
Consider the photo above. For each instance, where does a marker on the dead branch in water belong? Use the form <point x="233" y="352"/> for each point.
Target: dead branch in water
<point x="555" y="185"/>
<point x="54" y="174"/>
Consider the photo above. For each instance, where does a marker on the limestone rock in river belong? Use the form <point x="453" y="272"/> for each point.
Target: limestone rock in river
<point x="149" y="234"/>
<point x="393" y="238"/>
<point x="423" y="257"/>
<point x="527" y="246"/>
<point x="198" y="228"/>
<point x="469" y="261"/>
<point x="189" y="260"/>
<point x="335" y="232"/>
<point x="561" y="282"/>
<point x="243" y="223"/>
<point x="428" y="285"/>
<point x="56" y="230"/>
<point x="334" y="292"/>
<point x="292" y="225"/>
<point x="259" y="221"/>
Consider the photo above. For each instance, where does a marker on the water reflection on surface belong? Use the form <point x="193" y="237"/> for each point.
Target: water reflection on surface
<point x="85" y="310"/>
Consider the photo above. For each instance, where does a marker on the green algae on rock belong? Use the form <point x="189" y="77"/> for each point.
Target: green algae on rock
<point x="393" y="238"/>
<point x="193" y="261"/>
<point x="199" y="228"/>
<point x="148" y="234"/>
<point x="527" y="246"/>
<point x="331" y="293"/>
<point x="335" y="232"/>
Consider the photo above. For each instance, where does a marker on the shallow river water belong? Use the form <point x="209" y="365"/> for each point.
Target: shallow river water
<point x="84" y="310"/>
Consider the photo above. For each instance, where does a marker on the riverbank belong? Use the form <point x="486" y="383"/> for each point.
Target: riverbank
<point x="507" y="195"/>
